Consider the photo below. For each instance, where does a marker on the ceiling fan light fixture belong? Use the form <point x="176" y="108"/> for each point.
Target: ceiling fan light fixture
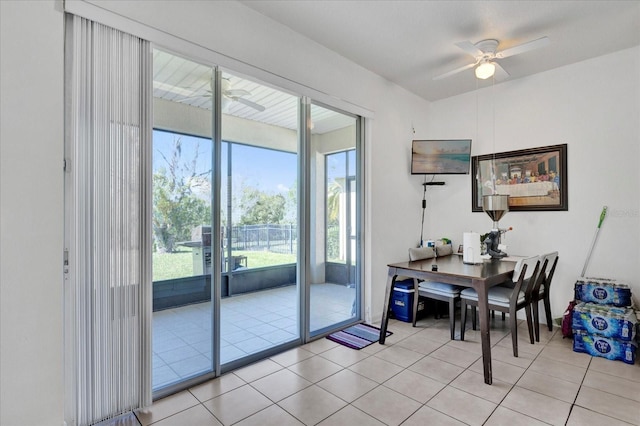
<point x="485" y="70"/>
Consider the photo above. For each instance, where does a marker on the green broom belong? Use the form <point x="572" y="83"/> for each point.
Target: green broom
<point x="595" y="237"/>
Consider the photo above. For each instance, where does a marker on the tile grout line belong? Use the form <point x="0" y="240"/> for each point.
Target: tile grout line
<point x="573" y="404"/>
<point x="537" y="356"/>
<point x="445" y="385"/>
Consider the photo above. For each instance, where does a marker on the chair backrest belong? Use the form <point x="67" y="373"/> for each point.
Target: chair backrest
<point x="526" y="274"/>
<point x="547" y="269"/>
<point x="444" y="250"/>
<point x="530" y="262"/>
<point x="420" y="253"/>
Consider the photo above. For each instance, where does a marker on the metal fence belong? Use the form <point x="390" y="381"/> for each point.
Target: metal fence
<point x="270" y="237"/>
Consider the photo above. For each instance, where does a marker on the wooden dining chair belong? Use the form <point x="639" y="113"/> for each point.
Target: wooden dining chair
<point x="434" y="290"/>
<point x="541" y="291"/>
<point x="506" y="299"/>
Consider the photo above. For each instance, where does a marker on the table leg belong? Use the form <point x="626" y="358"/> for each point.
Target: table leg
<point x="391" y="280"/>
<point x="483" y="313"/>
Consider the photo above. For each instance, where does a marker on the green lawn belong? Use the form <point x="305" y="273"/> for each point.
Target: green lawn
<point x="172" y="265"/>
<point x="180" y="264"/>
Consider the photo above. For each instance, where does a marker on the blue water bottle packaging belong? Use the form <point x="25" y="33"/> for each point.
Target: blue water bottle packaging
<point x="604" y="320"/>
<point x="603" y="292"/>
<point x="605" y="347"/>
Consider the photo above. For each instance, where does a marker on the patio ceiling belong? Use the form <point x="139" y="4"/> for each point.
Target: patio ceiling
<point x="180" y="80"/>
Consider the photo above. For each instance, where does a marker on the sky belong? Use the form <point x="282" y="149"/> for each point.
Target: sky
<point x="265" y="169"/>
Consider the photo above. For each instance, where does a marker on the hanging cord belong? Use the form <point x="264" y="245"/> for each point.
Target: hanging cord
<point x="493" y="113"/>
<point x="424" y="207"/>
<point x="477" y="108"/>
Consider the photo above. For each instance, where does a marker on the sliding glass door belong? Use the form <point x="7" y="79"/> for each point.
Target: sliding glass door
<point x="183" y="346"/>
<point x="259" y="305"/>
<point x="335" y="283"/>
<point x="234" y="277"/>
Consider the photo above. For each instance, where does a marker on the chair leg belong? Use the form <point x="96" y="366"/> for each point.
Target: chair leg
<point x="513" y="324"/>
<point x="463" y="317"/>
<point x="503" y="316"/>
<point x="527" y="310"/>
<point x="473" y="317"/>
<point x="416" y="296"/>
<point x="547" y="311"/>
<point x="536" y="319"/>
<point x="452" y="318"/>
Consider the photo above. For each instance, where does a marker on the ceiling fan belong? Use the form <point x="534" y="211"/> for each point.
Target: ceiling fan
<point x="486" y="55"/>
<point x="229" y="95"/>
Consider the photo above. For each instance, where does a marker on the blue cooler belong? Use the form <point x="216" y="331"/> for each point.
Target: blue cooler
<point x="402" y="301"/>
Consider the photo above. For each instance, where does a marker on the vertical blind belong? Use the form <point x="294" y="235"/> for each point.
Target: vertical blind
<point x="107" y="253"/>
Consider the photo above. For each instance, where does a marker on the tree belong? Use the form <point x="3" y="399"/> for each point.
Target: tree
<point x="334" y="194"/>
<point x="177" y="209"/>
<point x="291" y="207"/>
<point x="259" y="207"/>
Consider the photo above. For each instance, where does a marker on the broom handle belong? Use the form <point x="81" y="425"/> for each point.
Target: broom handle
<point x="595" y="237"/>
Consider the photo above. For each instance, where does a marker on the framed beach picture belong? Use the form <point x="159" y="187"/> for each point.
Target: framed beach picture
<point x="440" y="157"/>
<point x="535" y="179"/>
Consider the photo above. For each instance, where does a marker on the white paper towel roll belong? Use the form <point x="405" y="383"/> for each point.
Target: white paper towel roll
<point x="472" y="248"/>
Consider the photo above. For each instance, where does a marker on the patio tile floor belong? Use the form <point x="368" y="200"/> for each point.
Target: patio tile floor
<point x="249" y="323"/>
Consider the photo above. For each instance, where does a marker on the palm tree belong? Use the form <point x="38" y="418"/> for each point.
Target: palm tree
<point x="334" y="191"/>
<point x="334" y="194"/>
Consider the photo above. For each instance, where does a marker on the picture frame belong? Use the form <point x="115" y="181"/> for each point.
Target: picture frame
<point x="535" y="179"/>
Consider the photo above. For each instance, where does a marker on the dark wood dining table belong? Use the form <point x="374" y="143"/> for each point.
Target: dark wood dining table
<point x="452" y="270"/>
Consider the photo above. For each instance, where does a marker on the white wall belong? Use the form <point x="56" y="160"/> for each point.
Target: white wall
<point x="593" y="107"/>
<point x="31" y="195"/>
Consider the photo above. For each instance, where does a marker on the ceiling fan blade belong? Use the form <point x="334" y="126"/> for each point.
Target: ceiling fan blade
<point x="470" y="48"/>
<point x="182" y="91"/>
<point x="457" y="70"/>
<point x="236" y="92"/>
<point x="500" y="73"/>
<point x="250" y="104"/>
<point x="524" y="47"/>
<point x="189" y="98"/>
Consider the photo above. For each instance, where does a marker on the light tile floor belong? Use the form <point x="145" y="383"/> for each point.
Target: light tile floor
<point x="418" y="377"/>
<point x="249" y="323"/>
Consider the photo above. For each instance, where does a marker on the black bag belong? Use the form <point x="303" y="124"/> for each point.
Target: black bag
<point x="567" y="320"/>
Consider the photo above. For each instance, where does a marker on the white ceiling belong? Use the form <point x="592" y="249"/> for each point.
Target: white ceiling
<point x="410" y="42"/>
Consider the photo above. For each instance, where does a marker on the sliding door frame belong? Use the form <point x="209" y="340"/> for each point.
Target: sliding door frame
<point x="304" y="217"/>
<point x="216" y="205"/>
